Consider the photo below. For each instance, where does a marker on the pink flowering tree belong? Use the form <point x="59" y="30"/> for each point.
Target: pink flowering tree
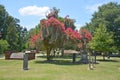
<point x="52" y="34"/>
<point x="81" y="39"/>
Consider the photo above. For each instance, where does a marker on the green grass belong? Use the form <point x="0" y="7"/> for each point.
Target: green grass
<point x="59" y="69"/>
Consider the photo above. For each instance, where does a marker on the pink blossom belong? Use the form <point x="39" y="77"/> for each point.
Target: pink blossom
<point x="72" y="34"/>
<point x="86" y="34"/>
<point x="34" y="38"/>
<point x="52" y="22"/>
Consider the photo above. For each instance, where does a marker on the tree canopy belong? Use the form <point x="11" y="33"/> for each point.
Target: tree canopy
<point x="109" y="15"/>
<point x="54" y="31"/>
<point x="12" y="31"/>
<point x="102" y="40"/>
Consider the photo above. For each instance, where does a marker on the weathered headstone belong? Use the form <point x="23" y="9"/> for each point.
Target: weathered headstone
<point x="25" y="61"/>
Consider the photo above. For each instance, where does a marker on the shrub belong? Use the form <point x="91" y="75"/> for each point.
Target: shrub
<point x="3" y="46"/>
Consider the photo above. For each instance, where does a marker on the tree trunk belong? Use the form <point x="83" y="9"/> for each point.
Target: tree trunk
<point x="104" y="57"/>
<point x="74" y="58"/>
<point x="62" y="51"/>
<point x="94" y="54"/>
<point x="48" y="55"/>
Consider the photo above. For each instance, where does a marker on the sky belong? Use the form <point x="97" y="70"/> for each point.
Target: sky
<point x="30" y="12"/>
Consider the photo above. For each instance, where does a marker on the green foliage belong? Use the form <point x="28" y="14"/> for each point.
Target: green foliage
<point x="26" y="45"/>
<point x="39" y="45"/>
<point x="11" y="30"/>
<point x="34" y="31"/>
<point x="16" y="35"/>
<point x="3" y="20"/>
<point x="22" y="38"/>
<point x="102" y="40"/>
<point x="109" y="15"/>
<point x="69" y="23"/>
<point x="12" y="37"/>
<point x="70" y="45"/>
<point x="3" y="46"/>
<point x="61" y="19"/>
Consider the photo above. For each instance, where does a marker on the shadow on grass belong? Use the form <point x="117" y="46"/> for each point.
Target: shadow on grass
<point x="59" y="62"/>
<point x="107" y="60"/>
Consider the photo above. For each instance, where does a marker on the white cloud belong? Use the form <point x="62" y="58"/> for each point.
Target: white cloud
<point x="93" y="8"/>
<point x="34" y="10"/>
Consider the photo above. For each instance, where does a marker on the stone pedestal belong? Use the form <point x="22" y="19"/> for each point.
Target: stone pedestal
<point x="84" y="58"/>
<point x="25" y="61"/>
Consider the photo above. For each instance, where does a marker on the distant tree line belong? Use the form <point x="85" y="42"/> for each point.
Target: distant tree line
<point x="13" y="36"/>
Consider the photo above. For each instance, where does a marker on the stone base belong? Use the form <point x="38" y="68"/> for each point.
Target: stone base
<point x="84" y="59"/>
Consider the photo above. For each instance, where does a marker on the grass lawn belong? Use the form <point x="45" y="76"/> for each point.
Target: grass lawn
<point x="59" y="69"/>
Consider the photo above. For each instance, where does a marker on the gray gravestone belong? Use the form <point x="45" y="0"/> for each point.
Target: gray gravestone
<point x="25" y="61"/>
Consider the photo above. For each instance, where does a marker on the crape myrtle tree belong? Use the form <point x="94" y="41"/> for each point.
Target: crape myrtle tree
<point x="56" y="31"/>
<point x="68" y="23"/>
<point x="53" y="33"/>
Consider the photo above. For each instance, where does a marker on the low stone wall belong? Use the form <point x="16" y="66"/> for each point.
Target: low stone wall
<point x="7" y="55"/>
<point x="31" y="56"/>
<point x="18" y="56"/>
